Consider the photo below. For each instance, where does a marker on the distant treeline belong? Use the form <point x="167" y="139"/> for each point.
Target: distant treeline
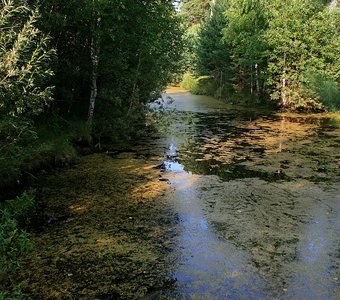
<point x="285" y="50"/>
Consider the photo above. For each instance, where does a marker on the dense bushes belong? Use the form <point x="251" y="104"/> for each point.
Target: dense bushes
<point x="74" y="62"/>
<point x="121" y="53"/>
<point x="17" y="138"/>
<point x="25" y="148"/>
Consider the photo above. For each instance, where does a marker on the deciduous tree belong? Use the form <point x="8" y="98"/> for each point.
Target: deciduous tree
<point x="25" y="61"/>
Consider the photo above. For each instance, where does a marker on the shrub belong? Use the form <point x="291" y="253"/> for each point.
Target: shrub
<point x="188" y="82"/>
<point x="17" y="138"/>
<point x="206" y="85"/>
<point x="20" y="207"/>
<point x="14" y="242"/>
<point x="326" y="90"/>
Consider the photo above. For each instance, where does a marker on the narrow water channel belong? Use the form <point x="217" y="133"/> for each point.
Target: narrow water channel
<point x="258" y="199"/>
<point x="230" y="203"/>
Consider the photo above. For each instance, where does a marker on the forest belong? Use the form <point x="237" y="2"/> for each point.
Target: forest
<point x="80" y="68"/>
<point x="283" y="51"/>
<point x="78" y="76"/>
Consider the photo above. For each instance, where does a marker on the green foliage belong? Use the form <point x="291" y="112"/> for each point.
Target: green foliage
<point x="188" y="81"/>
<point x="189" y="59"/>
<point x="205" y="86"/>
<point x="25" y="88"/>
<point x="192" y="14"/>
<point x="326" y="90"/>
<point x="80" y="132"/>
<point x="25" y="60"/>
<point x="268" y="48"/>
<point x="295" y="43"/>
<point x="56" y="140"/>
<point x="25" y="148"/>
<point x="17" y="137"/>
<point x="14" y="242"/>
<point x="213" y="54"/>
<point x="138" y="46"/>
<point x="20" y="207"/>
<point x="15" y="294"/>
<point x="195" y="11"/>
<point x="246" y="24"/>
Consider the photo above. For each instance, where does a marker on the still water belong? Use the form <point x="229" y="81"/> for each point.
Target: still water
<point x="258" y="201"/>
<point x="227" y="203"/>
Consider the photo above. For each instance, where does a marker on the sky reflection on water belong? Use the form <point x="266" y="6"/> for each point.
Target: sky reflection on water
<point x="264" y="225"/>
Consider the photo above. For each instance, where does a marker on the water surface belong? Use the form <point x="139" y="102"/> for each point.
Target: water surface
<point x="258" y="199"/>
<point x="229" y="203"/>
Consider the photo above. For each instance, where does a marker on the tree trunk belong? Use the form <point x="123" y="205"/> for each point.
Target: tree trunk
<point x="257" y="79"/>
<point x="221" y="82"/>
<point x="212" y="7"/>
<point x="283" y="95"/>
<point x="282" y="130"/>
<point x="132" y="97"/>
<point x="251" y="79"/>
<point x="94" y="91"/>
<point x="95" y="60"/>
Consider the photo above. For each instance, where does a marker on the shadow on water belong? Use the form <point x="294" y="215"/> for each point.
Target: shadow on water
<point x="258" y="202"/>
<point x="230" y="172"/>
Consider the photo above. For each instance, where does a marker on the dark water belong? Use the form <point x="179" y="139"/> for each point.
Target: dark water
<point x="258" y="200"/>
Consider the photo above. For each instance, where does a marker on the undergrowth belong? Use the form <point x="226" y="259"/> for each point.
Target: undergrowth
<point x="26" y="146"/>
<point x="15" y="243"/>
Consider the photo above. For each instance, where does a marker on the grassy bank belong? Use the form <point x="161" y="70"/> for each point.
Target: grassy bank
<point x="208" y="86"/>
<point x="326" y="91"/>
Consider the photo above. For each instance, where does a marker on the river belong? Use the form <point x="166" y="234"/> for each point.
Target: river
<point x="230" y="203"/>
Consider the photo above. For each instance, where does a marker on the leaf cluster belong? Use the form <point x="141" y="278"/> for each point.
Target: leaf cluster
<point x="25" y="59"/>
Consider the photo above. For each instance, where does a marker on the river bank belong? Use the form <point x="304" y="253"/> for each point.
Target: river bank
<point x="102" y="231"/>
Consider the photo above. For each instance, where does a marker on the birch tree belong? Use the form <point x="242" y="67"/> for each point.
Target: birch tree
<point x="94" y="51"/>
